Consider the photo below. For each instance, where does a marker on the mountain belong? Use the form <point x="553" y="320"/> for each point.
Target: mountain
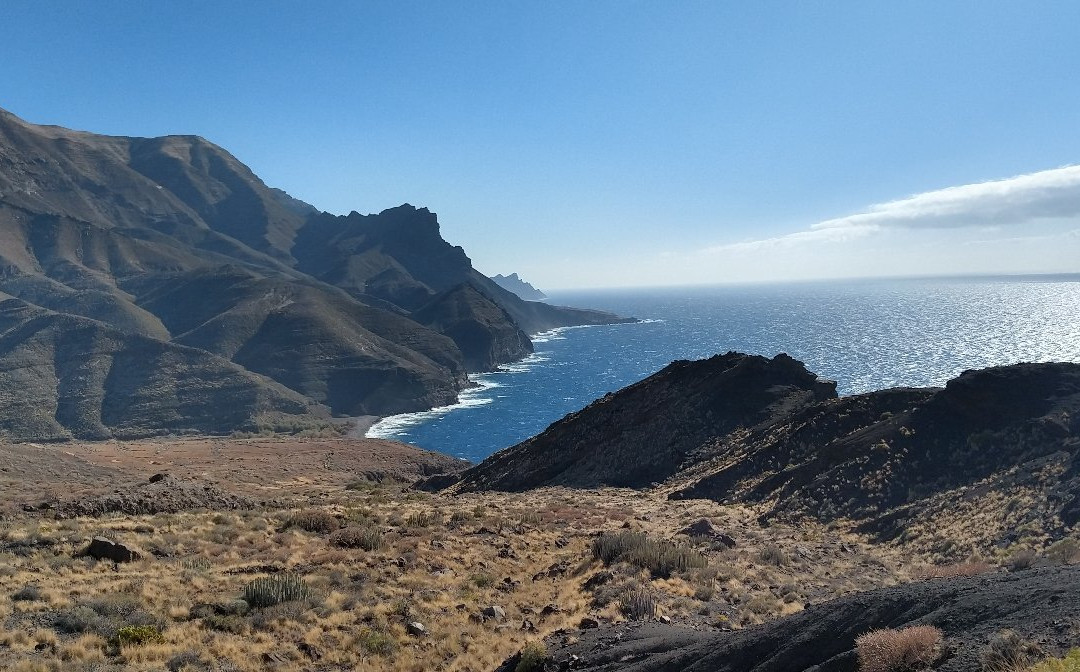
<point x="518" y="286"/>
<point x="173" y="243"/>
<point x="991" y="457"/>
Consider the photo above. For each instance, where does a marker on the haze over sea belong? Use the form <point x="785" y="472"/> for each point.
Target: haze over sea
<point x="864" y="334"/>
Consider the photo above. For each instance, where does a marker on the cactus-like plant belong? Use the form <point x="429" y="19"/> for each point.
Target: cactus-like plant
<point x="660" y="557"/>
<point x="274" y="589"/>
<point x="638" y="604"/>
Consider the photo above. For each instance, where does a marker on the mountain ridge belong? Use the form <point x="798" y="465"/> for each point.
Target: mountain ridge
<point x="174" y="239"/>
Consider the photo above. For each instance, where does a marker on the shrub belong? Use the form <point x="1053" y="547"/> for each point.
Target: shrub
<point x="482" y="580"/>
<point x="367" y="538"/>
<point x="376" y="642"/>
<point x="78" y="620"/>
<point x="1009" y="652"/>
<point x="1065" y="551"/>
<point x="138" y="635"/>
<point x="313" y="520"/>
<point x="533" y="657"/>
<point x="891" y="650"/>
<point x="230" y="623"/>
<point x="773" y="555"/>
<point x="638" y="604"/>
<point x="29" y="593"/>
<point x="1070" y="663"/>
<point x="1021" y="560"/>
<point x="661" y="558"/>
<point x="270" y="590"/>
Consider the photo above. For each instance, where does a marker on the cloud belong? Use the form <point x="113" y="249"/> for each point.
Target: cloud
<point x="1048" y="194"/>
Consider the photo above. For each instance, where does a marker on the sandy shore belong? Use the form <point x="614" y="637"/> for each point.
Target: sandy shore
<point x="361" y="424"/>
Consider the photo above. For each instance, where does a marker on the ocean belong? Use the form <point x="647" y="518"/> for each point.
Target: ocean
<point x="865" y="334"/>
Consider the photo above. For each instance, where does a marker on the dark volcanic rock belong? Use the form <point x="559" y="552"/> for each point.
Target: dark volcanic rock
<point x="647" y="431"/>
<point x="101" y="548"/>
<point x="743" y="429"/>
<point x="886" y="457"/>
<point x="705" y="528"/>
<point x="1042" y="604"/>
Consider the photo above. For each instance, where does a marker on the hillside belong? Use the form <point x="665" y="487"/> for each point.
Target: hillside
<point x="998" y="445"/>
<point x="175" y="241"/>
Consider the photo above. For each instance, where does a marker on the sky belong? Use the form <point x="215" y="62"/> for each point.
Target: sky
<point x="612" y="143"/>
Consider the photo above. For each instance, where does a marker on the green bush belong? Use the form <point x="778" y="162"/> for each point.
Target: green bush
<point x="532" y="659"/>
<point x="275" y="589"/>
<point x="376" y="642"/>
<point x="662" y="558"/>
<point x="138" y="635"/>
<point x="1070" y="663"/>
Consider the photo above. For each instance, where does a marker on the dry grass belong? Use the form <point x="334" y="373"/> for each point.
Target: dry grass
<point x="952" y="570"/>
<point x="379" y="557"/>
<point x="900" y="650"/>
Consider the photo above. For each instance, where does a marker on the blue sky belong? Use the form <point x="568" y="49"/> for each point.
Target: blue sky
<point x="611" y="143"/>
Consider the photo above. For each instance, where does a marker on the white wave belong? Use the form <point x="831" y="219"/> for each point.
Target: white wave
<point x="390" y="426"/>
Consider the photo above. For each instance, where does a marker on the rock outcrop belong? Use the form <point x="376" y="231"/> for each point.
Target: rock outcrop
<point x="997" y="451"/>
<point x="1042" y="604"/>
<point x="650" y="430"/>
<point x="515" y="284"/>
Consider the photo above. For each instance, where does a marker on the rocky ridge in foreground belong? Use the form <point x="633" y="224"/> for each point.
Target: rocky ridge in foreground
<point x="994" y="452"/>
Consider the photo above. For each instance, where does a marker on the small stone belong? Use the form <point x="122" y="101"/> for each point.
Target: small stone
<point x="589" y="623"/>
<point x="494" y="612"/>
<point x="666" y="620"/>
<point x="416" y="629"/>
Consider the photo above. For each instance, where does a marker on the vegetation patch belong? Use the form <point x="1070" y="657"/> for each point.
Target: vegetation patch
<point x="270" y="590"/>
<point x="890" y="650"/>
<point x="662" y="558"/>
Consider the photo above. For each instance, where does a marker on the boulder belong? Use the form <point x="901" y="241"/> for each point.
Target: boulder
<point x="101" y="548"/>
<point x="493" y="612"/>
<point x="705" y="528"/>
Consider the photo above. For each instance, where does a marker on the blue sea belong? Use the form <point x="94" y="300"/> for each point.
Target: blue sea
<point x="866" y="335"/>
